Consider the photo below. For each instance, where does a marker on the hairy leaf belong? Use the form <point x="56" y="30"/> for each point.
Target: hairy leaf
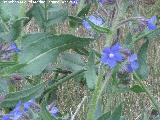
<point x="90" y="74"/>
<point x="12" y="99"/>
<point x="105" y="116"/>
<point x="56" y="15"/>
<point x="72" y="61"/>
<point x="84" y="11"/>
<point x="116" y="113"/>
<point x="142" y="60"/>
<point x="40" y="49"/>
<point x="137" y="89"/>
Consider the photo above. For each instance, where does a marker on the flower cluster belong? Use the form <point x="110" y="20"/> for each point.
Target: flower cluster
<point x="115" y="54"/>
<point x="53" y="110"/>
<point x="106" y="1"/>
<point x="151" y="23"/>
<point x="21" y="110"/>
<point x="74" y="2"/>
<point x="7" y="50"/>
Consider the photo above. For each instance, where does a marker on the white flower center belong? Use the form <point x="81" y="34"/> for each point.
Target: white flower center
<point x="111" y="55"/>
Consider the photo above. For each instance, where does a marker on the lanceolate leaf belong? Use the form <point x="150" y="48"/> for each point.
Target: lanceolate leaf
<point x="116" y="113"/>
<point x="56" y="14"/>
<point x="84" y="11"/>
<point x="12" y="99"/>
<point x="40" y="49"/>
<point x="105" y="116"/>
<point x="137" y="89"/>
<point x="90" y="74"/>
<point x="46" y="17"/>
<point x="149" y="34"/>
<point x="37" y="11"/>
<point x="142" y="60"/>
<point x="10" y="10"/>
<point x="11" y="69"/>
<point x="72" y="61"/>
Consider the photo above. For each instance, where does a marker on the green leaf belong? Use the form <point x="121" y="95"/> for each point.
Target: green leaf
<point x="105" y="116"/>
<point x="37" y="11"/>
<point x="40" y="49"/>
<point x="137" y="89"/>
<point x="56" y="14"/>
<point x="90" y="74"/>
<point x="116" y="113"/>
<point x="12" y="99"/>
<point x="72" y="61"/>
<point x="143" y="71"/>
<point x="45" y="114"/>
<point x="147" y="34"/>
<point x="4" y="64"/>
<point x="74" y="21"/>
<point x="128" y="41"/>
<point x="10" y="10"/>
<point x="4" y="86"/>
<point x="84" y="11"/>
<point x="17" y="28"/>
<point x="98" y="28"/>
<point x="11" y="69"/>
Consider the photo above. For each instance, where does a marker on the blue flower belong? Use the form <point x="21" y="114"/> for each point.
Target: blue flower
<point x="54" y="111"/>
<point x="17" y="113"/>
<point x="133" y="64"/>
<point x="86" y="25"/>
<point x="13" y="47"/>
<point x="74" y="2"/>
<point x="28" y="104"/>
<point x="110" y="56"/>
<point x="96" y="20"/>
<point x="151" y="23"/>
<point x="5" y="117"/>
<point x="105" y="1"/>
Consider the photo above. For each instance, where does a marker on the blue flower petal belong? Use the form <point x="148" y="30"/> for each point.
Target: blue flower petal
<point x="86" y="25"/>
<point x="74" y="2"/>
<point x="102" y="1"/>
<point x="151" y="26"/>
<point x="151" y="23"/>
<point x="96" y="20"/>
<point x="13" y="47"/>
<point x="54" y="111"/>
<point x="132" y="57"/>
<point x="118" y="57"/>
<point x="134" y="65"/>
<point x="111" y="63"/>
<point x="116" y="47"/>
<point x="153" y="19"/>
<point x="106" y="51"/>
<point x="5" y="117"/>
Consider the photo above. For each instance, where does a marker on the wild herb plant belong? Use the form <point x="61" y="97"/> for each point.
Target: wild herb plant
<point x="120" y="66"/>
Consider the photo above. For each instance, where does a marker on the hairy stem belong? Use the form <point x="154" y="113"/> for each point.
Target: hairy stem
<point x="97" y="95"/>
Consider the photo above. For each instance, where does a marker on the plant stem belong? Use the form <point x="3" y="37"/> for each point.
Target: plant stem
<point x="97" y="94"/>
<point x="155" y="103"/>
